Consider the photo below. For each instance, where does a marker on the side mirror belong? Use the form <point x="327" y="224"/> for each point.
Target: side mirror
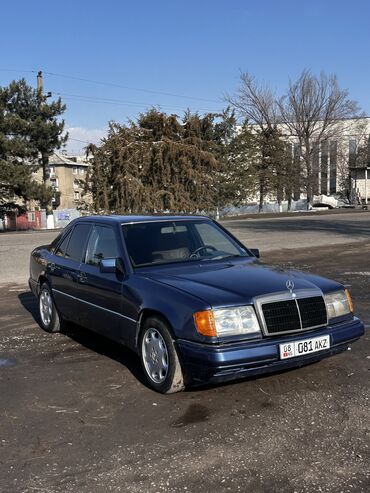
<point x="111" y="265"/>
<point x="255" y="252"/>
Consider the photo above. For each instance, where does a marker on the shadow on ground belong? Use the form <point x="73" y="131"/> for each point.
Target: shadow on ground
<point x="117" y="352"/>
<point x="91" y="340"/>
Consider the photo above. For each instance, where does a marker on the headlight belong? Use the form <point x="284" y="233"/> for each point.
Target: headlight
<point x="227" y="322"/>
<point x="338" y="303"/>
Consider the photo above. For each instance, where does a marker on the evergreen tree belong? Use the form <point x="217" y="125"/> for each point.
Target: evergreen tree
<point x="159" y="163"/>
<point x="276" y="171"/>
<point x="29" y="131"/>
<point x="240" y="182"/>
<point x="259" y="164"/>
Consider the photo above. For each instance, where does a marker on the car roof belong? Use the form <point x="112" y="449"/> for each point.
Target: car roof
<point x="137" y="219"/>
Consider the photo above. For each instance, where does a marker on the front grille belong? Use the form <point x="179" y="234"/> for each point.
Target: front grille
<point x="313" y="311"/>
<point x="281" y="316"/>
<point x="294" y="314"/>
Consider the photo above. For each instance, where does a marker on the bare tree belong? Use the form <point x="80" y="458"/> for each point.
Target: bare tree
<point x="257" y="104"/>
<point x="314" y="112"/>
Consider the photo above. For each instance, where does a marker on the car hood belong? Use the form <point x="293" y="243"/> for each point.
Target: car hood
<point x="235" y="282"/>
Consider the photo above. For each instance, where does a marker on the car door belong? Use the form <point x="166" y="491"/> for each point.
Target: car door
<point x="64" y="271"/>
<point x="100" y="292"/>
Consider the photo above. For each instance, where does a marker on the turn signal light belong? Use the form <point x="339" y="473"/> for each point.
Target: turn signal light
<point x="205" y="323"/>
<point x="350" y="302"/>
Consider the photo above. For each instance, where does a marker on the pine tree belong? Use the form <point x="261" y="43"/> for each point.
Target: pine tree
<point x="240" y="182"/>
<point x="29" y="131"/>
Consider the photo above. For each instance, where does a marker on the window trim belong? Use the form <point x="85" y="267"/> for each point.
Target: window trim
<point x="70" y="232"/>
<point x="66" y="236"/>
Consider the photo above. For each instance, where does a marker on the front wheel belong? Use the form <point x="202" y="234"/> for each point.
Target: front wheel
<point x="49" y="317"/>
<point x="159" y="357"/>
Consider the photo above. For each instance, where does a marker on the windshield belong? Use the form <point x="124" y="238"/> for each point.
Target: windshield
<point x="164" y="242"/>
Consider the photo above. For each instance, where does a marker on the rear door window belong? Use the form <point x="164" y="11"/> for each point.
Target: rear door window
<point x="76" y="246"/>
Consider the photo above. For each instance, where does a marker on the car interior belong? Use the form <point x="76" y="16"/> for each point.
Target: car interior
<point x="156" y="243"/>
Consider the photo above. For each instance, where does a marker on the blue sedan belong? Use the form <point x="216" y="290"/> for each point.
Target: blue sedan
<point x="193" y="302"/>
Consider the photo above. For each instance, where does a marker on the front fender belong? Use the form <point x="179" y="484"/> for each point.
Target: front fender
<point x="174" y="305"/>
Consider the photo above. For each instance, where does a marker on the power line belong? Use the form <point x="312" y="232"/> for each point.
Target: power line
<point x="111" y="84"/>
<point x="78" y="140"/>
<point x="16" y="70"/>
<point x="94" y="99"/>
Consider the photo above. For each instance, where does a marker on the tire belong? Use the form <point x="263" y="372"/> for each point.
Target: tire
<point x="159" y="357"/>
<point x="50" y="320"/>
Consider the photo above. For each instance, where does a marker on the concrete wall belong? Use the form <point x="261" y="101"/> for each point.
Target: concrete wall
<point x="63" y="217"/>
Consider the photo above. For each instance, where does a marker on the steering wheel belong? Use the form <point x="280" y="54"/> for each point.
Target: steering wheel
<point x="204" y="247"/>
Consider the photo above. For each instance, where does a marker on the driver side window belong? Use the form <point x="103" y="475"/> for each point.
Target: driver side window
<point x="102" y="244"/>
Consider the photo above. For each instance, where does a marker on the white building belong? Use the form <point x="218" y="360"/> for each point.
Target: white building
<point x="341" y="164"/>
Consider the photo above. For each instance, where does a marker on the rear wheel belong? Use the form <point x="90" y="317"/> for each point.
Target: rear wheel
<point x="159" y="357"/>
<point x="49" y="317"/>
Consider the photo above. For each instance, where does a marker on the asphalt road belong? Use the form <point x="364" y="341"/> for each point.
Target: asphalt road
<point x="267" y="234"/>
<point x="75" y="415"/>
<point x="293" y="232"/>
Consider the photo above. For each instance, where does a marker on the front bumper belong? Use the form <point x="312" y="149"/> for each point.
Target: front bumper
<point x="223" y="362"/>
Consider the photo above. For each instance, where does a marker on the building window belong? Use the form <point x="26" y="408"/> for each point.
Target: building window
<point x="75" y="170"/>
<point x="76" y="195"/>
<point x="324" y="167"/>
<point x="333" y="166"/>
<point x="31" y="217"/>
<point x="81" y="171"/>
<point x="54" y="183"/>
<point x="52" y="170"/>
<point x="76" y="184"/>
<point x="352" y="151"/>
<point x="316" y="169"/>
<point x="297" y="163"/>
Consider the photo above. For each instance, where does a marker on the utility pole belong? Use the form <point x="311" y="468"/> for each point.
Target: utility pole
<point x="44" y="157"/>
<point x="40" y="84"/>
<point x="42" y="99"/>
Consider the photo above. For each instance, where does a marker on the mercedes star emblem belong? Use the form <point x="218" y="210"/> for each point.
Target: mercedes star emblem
<point x="290" y="285"/>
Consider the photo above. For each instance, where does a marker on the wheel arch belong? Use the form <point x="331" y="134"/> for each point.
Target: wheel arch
<point x="182" y="376"/>
<point x="41" y="280"/>
<point x="147" y="313"/>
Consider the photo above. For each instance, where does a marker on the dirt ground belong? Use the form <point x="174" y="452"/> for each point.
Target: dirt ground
<point x="75" y="415"/>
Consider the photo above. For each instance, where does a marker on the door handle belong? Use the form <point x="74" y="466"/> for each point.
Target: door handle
<point x="82" y="277"/>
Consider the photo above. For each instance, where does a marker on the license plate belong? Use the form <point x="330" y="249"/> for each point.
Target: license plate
<point x="297" y="348"/>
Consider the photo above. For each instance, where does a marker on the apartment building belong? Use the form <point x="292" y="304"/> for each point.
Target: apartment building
<point x="67" y="175"/>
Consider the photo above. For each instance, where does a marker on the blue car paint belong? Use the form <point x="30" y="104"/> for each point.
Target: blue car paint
<point x="114" y="303"/>
<point x="231" y="361"/>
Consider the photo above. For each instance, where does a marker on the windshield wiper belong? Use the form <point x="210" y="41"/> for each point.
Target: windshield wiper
<point x="221" y="257"/>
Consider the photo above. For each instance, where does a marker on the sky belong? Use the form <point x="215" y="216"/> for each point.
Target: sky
<point x="109" y="60"/>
